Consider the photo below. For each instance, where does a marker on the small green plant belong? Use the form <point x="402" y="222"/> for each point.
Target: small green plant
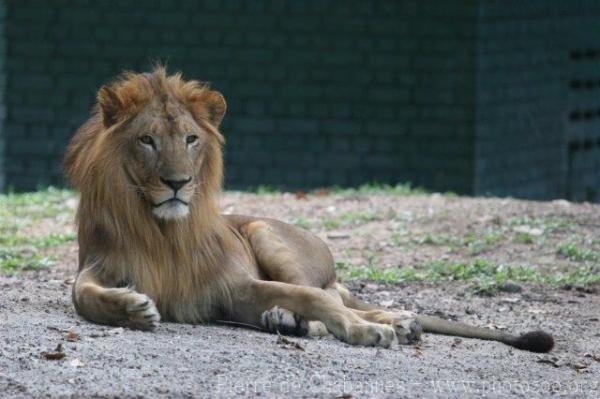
<point x="523" y="238"/>
<point x="434" y="241"/>
<point x="265" y="189"/>
<point x="349" y="219"/>
<point x="302" y="223"/>
<point x="477" y="244"/>
<point x="573" y="252"/>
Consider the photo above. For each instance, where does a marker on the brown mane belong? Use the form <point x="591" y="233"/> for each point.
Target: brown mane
<point x="112" y="219"/>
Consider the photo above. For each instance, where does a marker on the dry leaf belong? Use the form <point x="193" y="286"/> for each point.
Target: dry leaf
<point x="71" y="336"/>
<point x="288" y="343"/>
<point x="57" y="354"/>
<point x="580" y="368"/>
<point x="301" y="195"/>
<point x="592" y="356"/>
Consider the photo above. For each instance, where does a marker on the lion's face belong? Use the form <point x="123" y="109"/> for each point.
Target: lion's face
<point x="163" y="155"/>
<point x="152" y="138"/>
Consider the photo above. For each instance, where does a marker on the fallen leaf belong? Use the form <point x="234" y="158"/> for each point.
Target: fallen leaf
<point x="57" y="354"/>
<point x="552" y="361"/>
<point x="418" y="353"/>
<point x="579" y="367"/>
<point x="301" y="195"/>
<point x="71" y="336"/>
<point x="288" y="343"/>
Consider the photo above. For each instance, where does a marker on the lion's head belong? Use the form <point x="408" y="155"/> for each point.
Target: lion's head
<point x="153" y="138"/>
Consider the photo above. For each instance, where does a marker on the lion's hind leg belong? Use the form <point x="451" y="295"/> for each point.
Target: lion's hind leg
<point x="407" y="328"/>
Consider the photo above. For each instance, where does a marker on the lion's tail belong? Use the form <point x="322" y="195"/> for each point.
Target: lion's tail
<point x="534" y="341"/>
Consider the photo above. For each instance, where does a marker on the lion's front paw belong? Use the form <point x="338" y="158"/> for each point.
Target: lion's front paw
<point x="141" y="312"/>
<point x="407" y="328"/>
<point x="283" y="321"/>
<point x="369" y="334"/>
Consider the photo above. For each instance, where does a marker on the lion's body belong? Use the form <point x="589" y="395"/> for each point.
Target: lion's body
<point x="153" y="245"/>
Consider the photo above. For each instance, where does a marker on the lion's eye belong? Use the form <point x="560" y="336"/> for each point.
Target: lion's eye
<point x="147" y="139"/>
<point x="191" y="139"/>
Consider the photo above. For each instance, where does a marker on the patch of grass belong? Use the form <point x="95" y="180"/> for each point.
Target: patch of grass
<point x="24" y="253"/>
<point x="404" y="189"/>
<point x="576" y="253"/>
<point x="485" y="277"/>
<point x="302" y="223"/>
<point x="51" y="240"/>
<point x="435" y="241"/>
<point x="477" y="244"/>
<point x="349" y="218"/>
<point x="46" y="203"/>
<point x="19" y="251"/>
<point x="547" y="225"/>
<point x="22" y="258"/>
<point x="265" y="189"/>
<point x="372" y="273"/>
<point x="523" y="238"/>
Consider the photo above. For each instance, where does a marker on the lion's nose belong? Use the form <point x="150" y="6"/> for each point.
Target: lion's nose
<point x="176" y="184"/>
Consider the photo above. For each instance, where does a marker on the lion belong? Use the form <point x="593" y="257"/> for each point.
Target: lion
<point x="153" y="245"/>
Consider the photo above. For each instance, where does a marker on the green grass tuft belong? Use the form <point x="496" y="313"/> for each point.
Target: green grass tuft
<point x="576" y="253"/>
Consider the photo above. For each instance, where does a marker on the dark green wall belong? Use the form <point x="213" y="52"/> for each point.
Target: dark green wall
<point x="478" y="97"/>
<point x="2" y="95"/>
<point x="320" y="92"/>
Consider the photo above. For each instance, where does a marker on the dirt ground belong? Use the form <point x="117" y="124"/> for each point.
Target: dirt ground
<point x="380" y="231"/>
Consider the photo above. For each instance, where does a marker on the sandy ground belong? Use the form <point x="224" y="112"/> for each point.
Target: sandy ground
<point x="36" y="316"/>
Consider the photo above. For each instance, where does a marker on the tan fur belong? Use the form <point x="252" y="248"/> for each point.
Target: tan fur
<point x="153" y="245"/>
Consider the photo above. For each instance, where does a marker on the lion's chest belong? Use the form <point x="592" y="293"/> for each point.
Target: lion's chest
<point x="182" y="293"/>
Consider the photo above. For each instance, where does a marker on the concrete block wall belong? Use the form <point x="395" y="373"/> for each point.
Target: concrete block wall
<point x="2" y="96"/>
<point x="477" y="97"/>
<point x="530" y="92"/>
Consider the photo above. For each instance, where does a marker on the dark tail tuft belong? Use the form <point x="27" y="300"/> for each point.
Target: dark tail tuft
<point x="534" y="341"/>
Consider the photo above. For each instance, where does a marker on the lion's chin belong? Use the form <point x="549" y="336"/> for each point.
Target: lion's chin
<point x="171" y="210"/>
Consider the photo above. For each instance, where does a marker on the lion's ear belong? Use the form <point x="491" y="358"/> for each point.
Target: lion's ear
<point x="110" y="104"/>
<point x="207" y="104"/>
<point x="216" y="106"/>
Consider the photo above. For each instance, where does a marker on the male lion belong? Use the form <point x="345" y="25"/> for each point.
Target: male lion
<point x="153" y="245"/>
